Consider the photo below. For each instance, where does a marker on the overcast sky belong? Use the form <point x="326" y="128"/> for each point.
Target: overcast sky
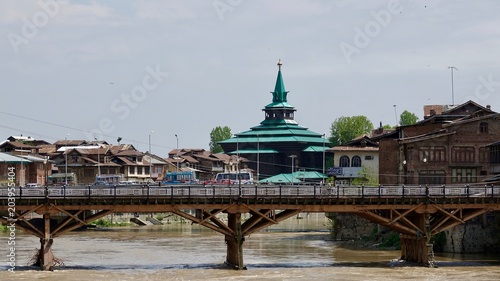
<point x="109" y="69"/>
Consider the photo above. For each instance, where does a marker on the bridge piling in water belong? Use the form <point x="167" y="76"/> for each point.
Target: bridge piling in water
<point x="234" y="242"/>
<point x="45" y="255"/>
<point x="417" y="248"/>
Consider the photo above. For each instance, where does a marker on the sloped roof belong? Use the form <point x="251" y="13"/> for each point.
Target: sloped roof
<point x="297" y="177"/>
<point x="12" y="159"/>
<point x="17" y="144"/>
<point x="280" y="178"/>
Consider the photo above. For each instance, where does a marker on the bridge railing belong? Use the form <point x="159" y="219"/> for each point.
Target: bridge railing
<point x="250" y="191"/>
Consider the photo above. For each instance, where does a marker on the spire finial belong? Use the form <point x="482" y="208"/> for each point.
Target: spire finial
<point x="279" y="64"/>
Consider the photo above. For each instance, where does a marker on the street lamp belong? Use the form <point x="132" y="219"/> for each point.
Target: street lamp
<point x="238" y="159"/>
<point x="258" y="158"/>
<point x="177" y="152"/>
<point x="98" y="159"/>
<point x="293" y="160"/>
<point x="66" y="160"/>
<point x="150" y="158"/>
<point x="426" y="170"/>
<point x="404" y="172"/>
<point x="323" y="175"/>
<point x="45" y="160"/>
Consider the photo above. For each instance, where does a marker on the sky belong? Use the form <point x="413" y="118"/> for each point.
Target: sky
<point x="162" y="74"/>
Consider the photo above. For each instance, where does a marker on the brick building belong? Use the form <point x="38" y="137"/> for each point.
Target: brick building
<point x="450" y="146"/>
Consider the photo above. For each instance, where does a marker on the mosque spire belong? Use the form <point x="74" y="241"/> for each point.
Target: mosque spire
<point x="279" y="94"/>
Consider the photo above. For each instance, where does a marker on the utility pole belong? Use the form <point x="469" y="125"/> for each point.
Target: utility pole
<point x="396" y="115"/>
<point x="452" y="91"/>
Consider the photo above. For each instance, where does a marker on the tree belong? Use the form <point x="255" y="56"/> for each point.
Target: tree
<point x="345" y="129"/>
<point x="407" y="118"/>
<point x="219" y="134"/>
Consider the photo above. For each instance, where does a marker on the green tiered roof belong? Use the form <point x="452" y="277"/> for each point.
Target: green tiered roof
<point x="279" y="126"/>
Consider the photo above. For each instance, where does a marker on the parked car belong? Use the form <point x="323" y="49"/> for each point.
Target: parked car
<point x="127" y="183"/>
<point x="101" y="183"/>
<point x="32" y="185"/>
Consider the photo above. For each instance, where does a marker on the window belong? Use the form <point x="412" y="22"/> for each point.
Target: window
<point x="484" y="154"/>
<point x="356" y="161"/>
<point x="344" y="161"/>
<point x="464" y="154"/>
<point x="369" y="157"/>
<point x="432" y="177"/>
<point x="131" y="170"/>
<point x="495" y="154"/>
<point x="483" y="128"/>
<point x="139" y="170"/>
<point x="463" y="175"/>
<point x="432" y="153"/>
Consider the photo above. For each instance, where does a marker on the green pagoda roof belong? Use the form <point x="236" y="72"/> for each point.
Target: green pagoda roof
<point x="279" y="125"/>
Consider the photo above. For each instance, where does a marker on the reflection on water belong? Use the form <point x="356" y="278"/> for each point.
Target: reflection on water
<point x="297" y="249"/>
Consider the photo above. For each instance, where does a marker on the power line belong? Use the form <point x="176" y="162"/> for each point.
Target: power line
<point x="67" y="127"/>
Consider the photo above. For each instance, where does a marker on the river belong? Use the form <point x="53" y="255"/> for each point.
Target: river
<point x="296" y="249"/>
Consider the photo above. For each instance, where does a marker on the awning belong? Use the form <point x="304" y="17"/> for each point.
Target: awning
<point x="281" y="178"/>
<point x="315" y="149"/>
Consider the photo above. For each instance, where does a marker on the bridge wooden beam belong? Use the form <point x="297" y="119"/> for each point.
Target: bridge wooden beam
<point x="378" y="219"/>
<point x="217" y="222"/>
<point x="263" y="223"/>
<point x="223" y="229"/>
<point x="70" y="217"/>
<point x="257" y="215"/>
<point x="462" y="219"/>
<point x="27" y="226"/>
<point x="81" y="222"/>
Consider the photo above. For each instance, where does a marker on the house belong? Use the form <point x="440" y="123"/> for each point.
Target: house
<point x="204" y="163"/>
<point x="356" y="161"/>
<point x="32" y="167"/>
<point x="159" y="166"/>
<point x="452" y="145"/>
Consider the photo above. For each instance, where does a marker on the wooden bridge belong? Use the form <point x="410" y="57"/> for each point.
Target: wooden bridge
<point x="416" y="212"/>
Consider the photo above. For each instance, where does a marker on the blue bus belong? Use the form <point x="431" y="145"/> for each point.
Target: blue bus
<point x="180" y="178"/>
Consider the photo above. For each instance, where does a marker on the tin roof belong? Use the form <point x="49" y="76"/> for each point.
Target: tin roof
<point x="9" y="158"/>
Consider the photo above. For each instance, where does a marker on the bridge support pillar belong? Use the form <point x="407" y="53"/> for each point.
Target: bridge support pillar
<point x="45" y="256"/>
<point x="234" y="242"/>
<point x="418" y="249"/>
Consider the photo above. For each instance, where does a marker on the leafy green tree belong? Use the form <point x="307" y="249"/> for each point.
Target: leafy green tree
<point x="345" y="129"/>
<point x="407" y="118"/>
<point x="219" y="134"/>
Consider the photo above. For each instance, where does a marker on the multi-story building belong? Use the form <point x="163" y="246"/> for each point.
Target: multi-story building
<point x="450" y="146"/>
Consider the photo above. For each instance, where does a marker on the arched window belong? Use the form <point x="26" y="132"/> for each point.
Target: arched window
<point x="344" y="161"/>
<point x="356" y="161"/>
